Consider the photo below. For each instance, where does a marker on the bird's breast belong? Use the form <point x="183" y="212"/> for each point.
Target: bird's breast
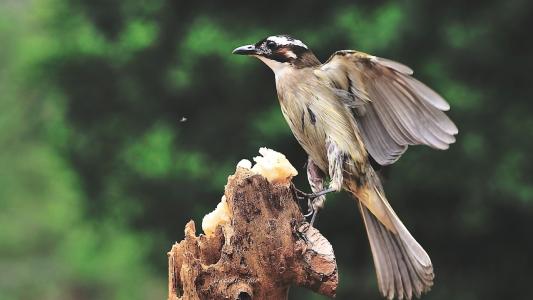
<point x="314" y="114"/>
<point x="300" y="107"/>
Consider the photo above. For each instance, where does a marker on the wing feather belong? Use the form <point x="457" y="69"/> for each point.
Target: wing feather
<point x="395" y="110"/>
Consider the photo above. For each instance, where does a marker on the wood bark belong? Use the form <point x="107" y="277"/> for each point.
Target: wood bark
<point x="265" y="248"/>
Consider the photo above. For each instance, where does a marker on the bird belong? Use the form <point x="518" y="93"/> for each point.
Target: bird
<point x="352" y="115"/>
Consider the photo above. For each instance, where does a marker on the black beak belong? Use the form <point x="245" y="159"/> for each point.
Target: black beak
<point x="246" y="50"/>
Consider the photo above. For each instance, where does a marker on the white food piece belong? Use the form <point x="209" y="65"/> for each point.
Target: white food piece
<point x="274" y="166"/>
<point x="220" y="216"/>
<point x="244" y="163"/>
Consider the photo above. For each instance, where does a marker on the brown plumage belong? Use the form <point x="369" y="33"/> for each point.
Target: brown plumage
<point x="344" y="111"/>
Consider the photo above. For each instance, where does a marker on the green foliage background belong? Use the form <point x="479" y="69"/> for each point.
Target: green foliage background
<point x="98" y="175"/>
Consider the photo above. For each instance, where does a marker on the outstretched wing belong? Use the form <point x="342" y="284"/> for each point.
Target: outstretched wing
<point x="392" y="109"/>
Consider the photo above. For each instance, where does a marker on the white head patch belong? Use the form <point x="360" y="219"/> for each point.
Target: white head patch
<point x="284" y="41"/>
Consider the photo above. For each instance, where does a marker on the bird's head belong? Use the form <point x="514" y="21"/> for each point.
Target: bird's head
<point x="279" y="52"/>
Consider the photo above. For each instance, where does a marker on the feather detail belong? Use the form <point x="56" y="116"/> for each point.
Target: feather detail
<point x="392" y="109"/>
<point x="403" y="267"/>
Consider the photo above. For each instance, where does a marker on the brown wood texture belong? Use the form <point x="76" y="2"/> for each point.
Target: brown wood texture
<point x="265" y="248"/>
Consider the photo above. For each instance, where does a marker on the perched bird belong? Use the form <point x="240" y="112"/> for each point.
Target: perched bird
<point x="351" y="110"/>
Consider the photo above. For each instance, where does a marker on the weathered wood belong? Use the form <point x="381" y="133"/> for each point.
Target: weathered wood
<point x="267" y="247"/>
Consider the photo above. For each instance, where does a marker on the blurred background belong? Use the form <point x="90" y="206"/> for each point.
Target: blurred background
<point x="121" y="120"/>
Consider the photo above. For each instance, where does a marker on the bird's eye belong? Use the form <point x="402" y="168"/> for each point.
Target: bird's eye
<point x="271" y="44"/>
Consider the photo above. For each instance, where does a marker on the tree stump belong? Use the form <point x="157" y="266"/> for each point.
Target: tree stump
<point x="266" y="247"/>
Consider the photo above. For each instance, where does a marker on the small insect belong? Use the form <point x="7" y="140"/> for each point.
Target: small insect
<point x="183" y="119"/>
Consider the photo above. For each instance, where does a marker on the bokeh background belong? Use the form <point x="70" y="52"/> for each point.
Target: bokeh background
<point x="121" y="120"/>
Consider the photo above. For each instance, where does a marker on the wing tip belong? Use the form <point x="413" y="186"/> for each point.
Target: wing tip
<point x="394" y="65"/>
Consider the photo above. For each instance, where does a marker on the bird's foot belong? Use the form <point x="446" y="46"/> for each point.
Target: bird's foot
<point x="315" y="201"/>
<point x="301" y="195"/>
<point x="313" y="207"/>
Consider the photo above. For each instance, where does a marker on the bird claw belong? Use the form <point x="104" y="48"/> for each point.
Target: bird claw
<point x="301" y="195"/>
<point x="309" y="213"/>
<point x="311" y="198"/>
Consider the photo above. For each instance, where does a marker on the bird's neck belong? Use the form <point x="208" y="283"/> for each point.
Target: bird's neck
<point x="306" y="60"/>
<point x="298" y="67"/>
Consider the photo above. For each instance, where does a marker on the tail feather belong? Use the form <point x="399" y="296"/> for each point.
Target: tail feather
<point x="403" y="267"/>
